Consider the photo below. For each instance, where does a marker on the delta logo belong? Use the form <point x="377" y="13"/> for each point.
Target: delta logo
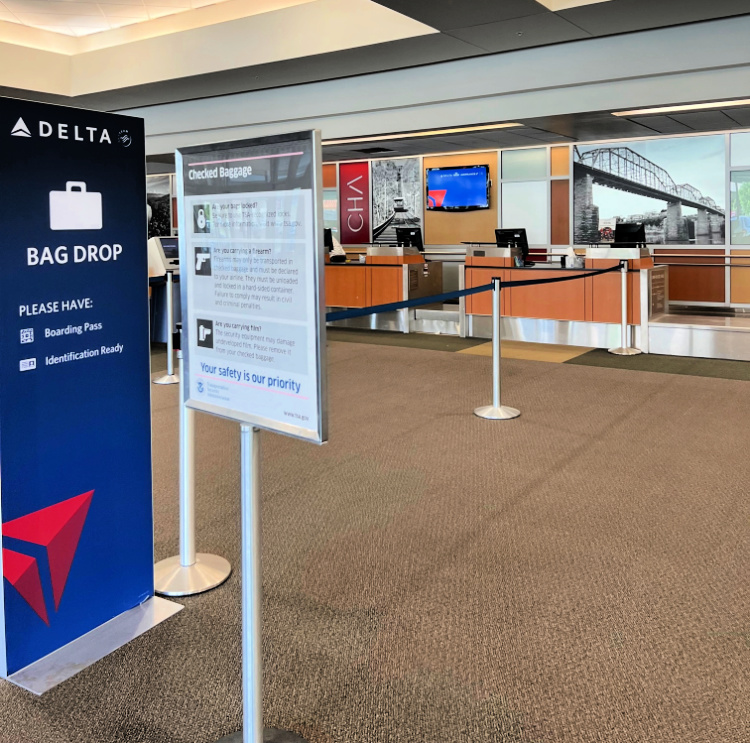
<point x="58" y="529"/>
<point x="67" y="131"/>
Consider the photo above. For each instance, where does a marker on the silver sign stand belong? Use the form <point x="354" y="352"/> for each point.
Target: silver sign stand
<point x="205" y="176"/>
<point x="188" y="573"/>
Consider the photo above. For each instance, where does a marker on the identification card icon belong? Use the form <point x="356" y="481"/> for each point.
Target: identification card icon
<point x="75" y="208"/>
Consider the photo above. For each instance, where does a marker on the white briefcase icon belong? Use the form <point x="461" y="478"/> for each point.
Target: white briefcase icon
<point x="73" y="209"/>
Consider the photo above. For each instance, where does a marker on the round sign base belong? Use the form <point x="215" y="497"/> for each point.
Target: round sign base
<point x="270" y="735"/>
<point x="503" y="413"/>
<point x="171" y="578"/>
<point x="168" y="379"/>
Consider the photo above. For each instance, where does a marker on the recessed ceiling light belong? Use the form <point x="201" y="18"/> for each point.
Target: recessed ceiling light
<point x="565" y="4"/>
<point x="429" y="133"/>
<point x="676" y="109"/>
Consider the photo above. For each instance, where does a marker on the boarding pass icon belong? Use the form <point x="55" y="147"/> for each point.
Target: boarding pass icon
<point x="75" y="208"/>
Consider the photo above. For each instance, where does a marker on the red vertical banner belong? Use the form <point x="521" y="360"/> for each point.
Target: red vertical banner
<point x="354" y="207"/>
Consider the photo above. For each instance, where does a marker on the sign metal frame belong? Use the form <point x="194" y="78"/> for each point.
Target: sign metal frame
<point x="319" y="433"/>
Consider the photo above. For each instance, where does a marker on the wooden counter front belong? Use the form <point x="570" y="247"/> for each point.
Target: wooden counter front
<point x="590" y="299"/>
<point x="346" y="285"/>
<point x="363" y="285"/>
<point x="699" y="284"/>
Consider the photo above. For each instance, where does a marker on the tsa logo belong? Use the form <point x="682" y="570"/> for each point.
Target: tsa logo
<point x="124" y="138"/>
<point x="201" y="386"/>
<point x="57" y="528"/>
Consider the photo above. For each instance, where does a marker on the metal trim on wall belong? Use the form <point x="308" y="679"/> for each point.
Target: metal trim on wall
<point x="560" y="332"/>
<point x="701" y="342"/>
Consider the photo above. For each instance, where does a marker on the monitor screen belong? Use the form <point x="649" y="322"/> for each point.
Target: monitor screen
<point x="458" y="188"/>
<point x="512" y="238"/>
<point x="409" y="237"/>
<point x="630" y="232"/>
<point x="170" y="246"/>
<point x="328" y="238"/>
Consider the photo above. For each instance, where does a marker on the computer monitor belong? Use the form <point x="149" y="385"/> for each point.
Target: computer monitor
<point x="507" y="238"/>
<point x="410" y="237"/>
<point x="164" y="255"/>
<point x="630" y="234"/>
<point x="328" y="238"/>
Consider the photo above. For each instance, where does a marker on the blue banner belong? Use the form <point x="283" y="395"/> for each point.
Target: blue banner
<point x="75" y="436"/>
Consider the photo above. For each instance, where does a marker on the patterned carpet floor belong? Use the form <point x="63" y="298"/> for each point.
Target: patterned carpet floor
<point x="577" y="575"/>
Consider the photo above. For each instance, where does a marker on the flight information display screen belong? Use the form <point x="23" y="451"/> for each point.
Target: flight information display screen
<point x="461" y="188"/>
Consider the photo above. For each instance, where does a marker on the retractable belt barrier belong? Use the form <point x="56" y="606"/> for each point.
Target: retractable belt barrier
<point x="435" y="298"/>
<point x="496" y="411"/>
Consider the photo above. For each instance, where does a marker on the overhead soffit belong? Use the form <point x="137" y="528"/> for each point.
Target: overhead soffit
<point x="552" y="130"/>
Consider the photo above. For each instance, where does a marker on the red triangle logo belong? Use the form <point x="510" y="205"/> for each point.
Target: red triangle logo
<point x="58" y="528"/>
<point x="22" y="572"/>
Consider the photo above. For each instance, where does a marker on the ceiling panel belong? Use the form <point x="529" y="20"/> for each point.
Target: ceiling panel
<point x="543" y="135"/>
<point x="661" y="124"/>
<point x="621" y="16"/>
<point x="705" y="120"/>
<point x="594" y="125"/>
<point x="520" y="33"/>
<point x="448" y="14"/>
<point x="740" y="115"/>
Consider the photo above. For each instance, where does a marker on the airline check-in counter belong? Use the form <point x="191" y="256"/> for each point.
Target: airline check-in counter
<point x="387" y="274"/>
<point x="584" y="312"/>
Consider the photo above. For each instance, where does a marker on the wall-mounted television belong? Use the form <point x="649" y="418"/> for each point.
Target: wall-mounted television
<point x="458" y="189"/>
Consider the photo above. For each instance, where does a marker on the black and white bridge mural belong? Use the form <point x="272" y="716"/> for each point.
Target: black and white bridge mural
<point x="625" y="170"/>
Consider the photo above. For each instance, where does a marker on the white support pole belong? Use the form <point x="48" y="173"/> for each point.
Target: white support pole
<point x="624" y="349"/>
<point x="496" y="411"/>
<point x="252" y="586"/>
<point x="170" y="377"/>
<point x="252" y="600"/>
<point x="188" y="573"/>
<point x="187" y="482"/>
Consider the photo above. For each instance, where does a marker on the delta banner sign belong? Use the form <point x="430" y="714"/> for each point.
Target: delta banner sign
<point x="75" y="433"/>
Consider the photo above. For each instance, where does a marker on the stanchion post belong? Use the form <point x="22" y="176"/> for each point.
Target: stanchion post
<point x="496" y="411"/>
<point x="624" y="349"/>
<point x="252" y="651"/>
<point x="170" y="377"/>
<point x="187" y="481"/>
<point x="188" y="573"/>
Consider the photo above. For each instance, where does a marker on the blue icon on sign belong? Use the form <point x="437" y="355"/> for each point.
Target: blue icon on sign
<point x="200" y="386"/>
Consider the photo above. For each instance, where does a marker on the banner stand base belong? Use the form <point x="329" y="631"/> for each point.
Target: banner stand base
<point x="168" y="379"/>
<point x="62" y="664"/>
<point x="172" y="578"/>
<point x="270" y="735"/>
<point x="503" y="413"/>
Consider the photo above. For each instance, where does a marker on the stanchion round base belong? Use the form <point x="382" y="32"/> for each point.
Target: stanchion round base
<point x="503" y="413"/>
<point x="625" y="351"/>
<point x="174" y="579"/>
<point x="168" y="379"/>
<point x="270" y="735"/>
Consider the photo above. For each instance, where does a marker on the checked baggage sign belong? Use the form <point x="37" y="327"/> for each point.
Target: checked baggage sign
<point x="251" y="248"/>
